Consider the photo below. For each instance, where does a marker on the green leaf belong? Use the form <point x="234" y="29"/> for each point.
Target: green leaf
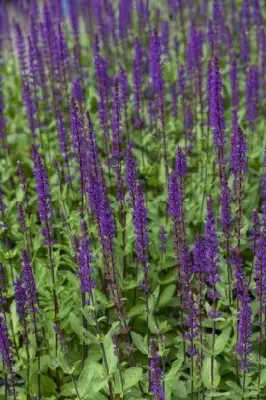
<point x="139" y="342"/>
<point x="132" y="376"/>
<point x="167" y="295"/>
<point x="85" y="378"/>
<point x="222" y="341"/>
<point x="110" y="355"/>
<point x="206" y="373"/>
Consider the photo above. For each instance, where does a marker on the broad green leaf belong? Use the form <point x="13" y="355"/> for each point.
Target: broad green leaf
<point x="110" y="355"/>
<point x="85" y="379"/>
<point x="206" y="373"/>
<point x="221" y="341"/>
<point x="139" y="342"/>
<point x="167" y="295"/>
<point x="132" y="376"/>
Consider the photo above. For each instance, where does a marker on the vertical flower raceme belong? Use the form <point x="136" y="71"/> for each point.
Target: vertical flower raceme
<point x="117" y="153"/>
<point x="20" y="298"/>
<point x="124" y="95"/>
<point x="7" y="354"/>
<point x="137" y="83"/>
<point x="102" y="80"/>
<point x="29" y="283"/>
<point x="217" y="113"/>
<point x="131" y="173"/>
<point x="43" y="194"/>
<point x="21" y="53"/>
<point x="252" y="94"/>
<point x="225" y="201"/>
<point x="156" y="373"/>
<point x="174" y="97"/>
<point x="84" y="259"/>
<point x="79" y="146"/>
<point x="95" y="185"/>
<point x="234" y="89"/>
<point x="141" y="233"/>
<point x="158" y="87"/>
<point x="212" y="257"/>
<point x="238" y="153"/>
<point x="238" y="167"/>
<point x="243" y="347"/>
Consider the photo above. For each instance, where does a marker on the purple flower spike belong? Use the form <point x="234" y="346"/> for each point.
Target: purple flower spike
<point x="156" y="374"/>
<point x="29" y="282"/>
<point x="238" y="152"/>
<point x="84" y="259"/>
<point x="43" y="194"/>
<point x="20" y="298"/>
<point x="6" y="352"/>
<point x="141" y="233"/>
<point x="212" y="252"/>
<point x="131" y="173"/>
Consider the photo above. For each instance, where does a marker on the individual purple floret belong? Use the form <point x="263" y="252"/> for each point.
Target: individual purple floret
<point x="156" y="373"/>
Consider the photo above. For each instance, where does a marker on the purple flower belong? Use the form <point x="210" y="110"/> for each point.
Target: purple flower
<point x="243" y="347"/>
<point x="252" y="93"/>
<point x="156" y="69"/>
<point x="29" y="282"/>
<point x="137" y="82"/>
<point x="216" y="105"/>
<point x="212" y="252"/>
<point x="225" y="201"/>
<point x="21" y="218"/>
<point x="238" y="152"/>
<point x="141" y="232"/>
<point x="116" y="140"/>
<point x="43" y="194"/>
<point x="84" y="259"/>
<point x="180" y="163"/>
<point x="234" y="81"/>
<point x="79" y="143"/>
<point x="156" y="374"/>
<point x="95" y="188"/>
<point x="6" y="352"/>
<point x="20" y="298"/>
<point x="174" y="198"/>
<point x="77" y="92"/>
<point x="22" y="177"/>
<point x="174" y="97"/>
<point x="263" y="182"/>
<point x="255" y="231"/>
<point x="131" y="173"/>
<point x="3" y="206"/>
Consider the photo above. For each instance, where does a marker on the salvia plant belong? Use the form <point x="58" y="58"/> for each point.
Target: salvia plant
<point x="132" y="199"/>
